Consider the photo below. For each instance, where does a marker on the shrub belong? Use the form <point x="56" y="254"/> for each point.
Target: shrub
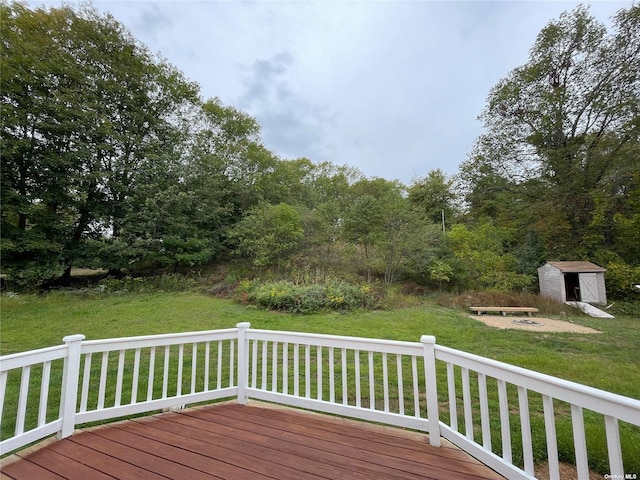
<point x="287" y="296"/>
<point x="158" y="283"/>
<point x="621" y="278"/>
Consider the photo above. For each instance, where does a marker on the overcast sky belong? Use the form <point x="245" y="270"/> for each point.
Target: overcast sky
<point x="393" y="88"/>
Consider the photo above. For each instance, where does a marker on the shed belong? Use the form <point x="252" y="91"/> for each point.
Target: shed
<point x="573" y="282"/>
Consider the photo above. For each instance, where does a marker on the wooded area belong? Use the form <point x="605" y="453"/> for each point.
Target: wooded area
<point x="111" y="159"/>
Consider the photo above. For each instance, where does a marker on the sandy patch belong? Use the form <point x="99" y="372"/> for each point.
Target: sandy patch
<point x="540" y="324"/>
<point x="567" y="472"/>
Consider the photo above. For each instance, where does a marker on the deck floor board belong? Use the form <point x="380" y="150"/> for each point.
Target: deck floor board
<point x="393" y="462"/>
<point x="235" y="442"/>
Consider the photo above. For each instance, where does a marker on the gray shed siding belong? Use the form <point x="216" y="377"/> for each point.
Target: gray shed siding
<point x="602" y="290"/>
<point x="552" y="283"/>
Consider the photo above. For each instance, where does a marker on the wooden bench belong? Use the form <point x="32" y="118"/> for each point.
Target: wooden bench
<point x="504" y="310"/>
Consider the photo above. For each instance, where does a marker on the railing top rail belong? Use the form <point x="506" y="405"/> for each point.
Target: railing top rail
<point x="157" y="340"/>
<point x="355" y="343"/>
<point x="624" y="408"/>
<point x="16" y="360"/>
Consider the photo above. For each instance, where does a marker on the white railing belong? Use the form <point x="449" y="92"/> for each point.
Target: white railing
<point x="105" y="379"/>
<point x="378" y="380"/>
<point x="52" y="390"/>
<point x="553" y="393"/>
<point x="180" y="368"/>
<point x="23" y="364"/>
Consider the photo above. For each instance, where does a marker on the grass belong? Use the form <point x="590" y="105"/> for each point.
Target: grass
<point x="608" y="361"/>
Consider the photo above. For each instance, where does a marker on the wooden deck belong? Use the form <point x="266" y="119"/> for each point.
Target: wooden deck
<point x="257" y="441"/>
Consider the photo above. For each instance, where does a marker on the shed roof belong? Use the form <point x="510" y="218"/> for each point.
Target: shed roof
<point x="577" y="267"/>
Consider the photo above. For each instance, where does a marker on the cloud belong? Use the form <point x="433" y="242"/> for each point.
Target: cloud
<point x="264" y="81"/>
<point x="153" y="20"/>
<point x="292" y="125"/>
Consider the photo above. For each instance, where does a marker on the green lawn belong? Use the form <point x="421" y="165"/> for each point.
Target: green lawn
<point x="609" y="361"/>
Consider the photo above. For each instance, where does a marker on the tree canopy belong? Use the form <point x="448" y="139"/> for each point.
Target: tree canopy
<point x="88" y="116"/>
<point x="561" y="142"/>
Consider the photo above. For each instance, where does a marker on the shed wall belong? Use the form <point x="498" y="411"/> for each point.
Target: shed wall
<point x="551" y="282"/>
<point x="602" y="291"/>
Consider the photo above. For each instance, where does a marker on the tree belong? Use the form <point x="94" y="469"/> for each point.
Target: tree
<point x="480" y="259"/>
<point x="225" y="169"/>
<point x="229" y="160"/>
<point x="440" y="271"/>
<point x="374" y="205"/>
<point x="88" y="116"/>
<point x="434" y="197"/>
<point x="268" y="235"/>
<point x="392" y="239"/>
<point x="559" y="128"/>
<point x="169" y="229"/>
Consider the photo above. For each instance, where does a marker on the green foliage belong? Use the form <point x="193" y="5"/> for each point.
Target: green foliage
<point x="88" y="115"/>
<point x="156" y="283"/>
<point x="229" y="169"/>
<point x="480" y="261"/>
<point x="268" y="234"/>
<point x="392" y="238"/>
<point x="422" y="250"/>
<point x="530" y="254"/>
<point x="111" y="160"/>
<point x="434" y="197"/>
<point x="30" y="273"/>
<point x="559" y="156"/>
<point x="284" y="295"/>
<point x="151" y="238"/>
<point x="621" y="279"/>
<point x="440" y="271"/>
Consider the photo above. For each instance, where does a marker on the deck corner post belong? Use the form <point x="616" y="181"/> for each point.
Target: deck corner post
<point x="70" y="376"/>
<point x="243" y="362"/>
<point x="433" y="417"/>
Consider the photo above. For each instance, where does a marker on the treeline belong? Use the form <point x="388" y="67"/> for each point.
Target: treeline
<point x="111" y="159"/>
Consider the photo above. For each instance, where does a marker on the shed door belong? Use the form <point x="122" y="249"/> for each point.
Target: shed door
<point x="589" y="288"/>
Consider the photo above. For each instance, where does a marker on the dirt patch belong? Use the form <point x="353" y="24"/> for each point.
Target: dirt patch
<point x="567" y="472"/>
<point x="535" y="324"/>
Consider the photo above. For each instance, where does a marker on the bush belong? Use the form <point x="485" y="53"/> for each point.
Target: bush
<point x="621" y="278"/>
<point x="158" y="283"/>
<point x="627" y="308"/>
<point x="288" y="296"/>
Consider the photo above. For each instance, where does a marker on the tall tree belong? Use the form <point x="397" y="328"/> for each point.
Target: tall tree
<point x="558" y="129"/>
<point x="327" y="201"/>
<point x="88" y="116"/>
<point x="225" y="169"/>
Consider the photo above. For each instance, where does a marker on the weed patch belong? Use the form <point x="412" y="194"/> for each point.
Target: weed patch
<point x="545" y="306"/>
<point x="286" y="296"/>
